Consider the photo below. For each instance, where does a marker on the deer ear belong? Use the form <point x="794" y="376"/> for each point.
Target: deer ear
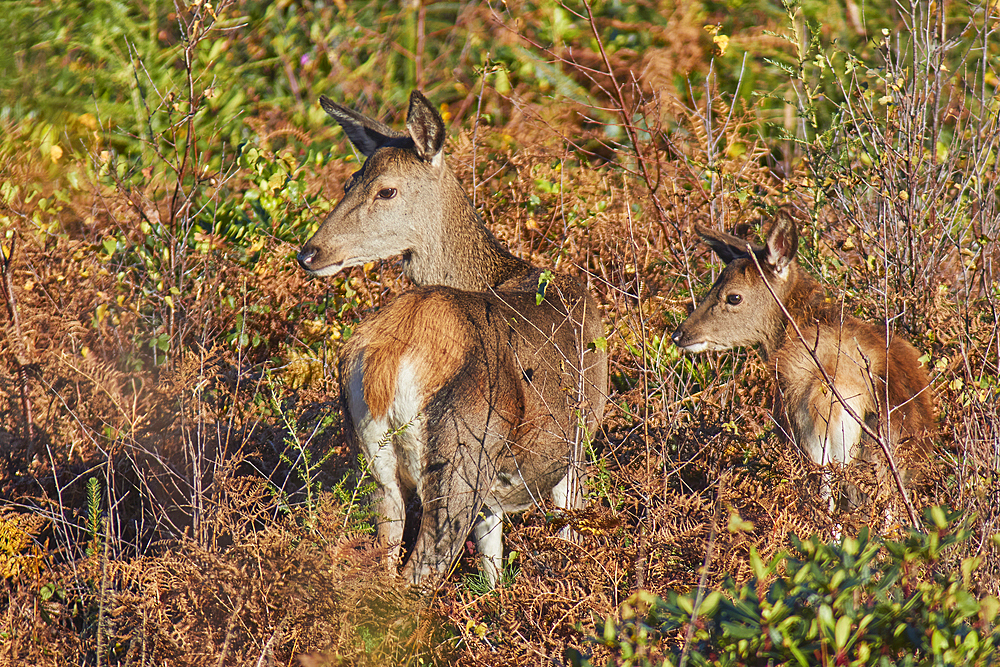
<point x="367" y="134"/>
<point x="726" y="246"/>
<point x="426" y="128"/>
<point x="782" y="244"/>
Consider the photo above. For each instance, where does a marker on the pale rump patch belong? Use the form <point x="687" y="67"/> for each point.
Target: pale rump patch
<point x="392" y="444"/>
<point x="423" y="327"/>
<point x="405" y="419"/>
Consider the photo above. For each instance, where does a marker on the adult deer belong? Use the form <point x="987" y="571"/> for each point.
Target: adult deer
<point x="470" y="392"/>
<point x="877" y="381"/>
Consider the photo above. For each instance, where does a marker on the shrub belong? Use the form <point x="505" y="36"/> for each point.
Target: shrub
<point x="855" y="601"/>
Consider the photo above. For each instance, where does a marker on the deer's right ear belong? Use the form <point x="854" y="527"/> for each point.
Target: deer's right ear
<point x="782" y="244"/>
<point x="367" y="134"/>
<point x="426" y="128"/>
<point x="726" y="246"/>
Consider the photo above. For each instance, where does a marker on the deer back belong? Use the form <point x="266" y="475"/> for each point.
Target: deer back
<point x="515" y="362"/>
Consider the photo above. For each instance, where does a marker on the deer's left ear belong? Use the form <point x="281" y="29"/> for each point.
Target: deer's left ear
<point x="782" y="244"/>
<point x="726" y="246"/>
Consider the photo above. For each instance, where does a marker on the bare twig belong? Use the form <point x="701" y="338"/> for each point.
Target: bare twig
<point x="619" y="98"/>
<point x="20" y="347"/>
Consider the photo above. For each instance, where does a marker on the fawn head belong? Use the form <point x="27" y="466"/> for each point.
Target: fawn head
<point x="739" y="310"/>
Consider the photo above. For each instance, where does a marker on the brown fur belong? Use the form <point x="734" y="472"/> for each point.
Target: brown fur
<point x="423" y="326"/>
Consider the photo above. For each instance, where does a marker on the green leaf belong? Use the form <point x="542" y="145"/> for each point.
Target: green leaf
<point x="938" y="517"/>
<point x="710" y="603"/>
<point x="755" y="562"/>
<point x="740" y="632"/>
<point x="543" y="286"/>
<point x="842" y="632"/>
<point x="796" y="653"/>
<point x="609" y="631"/>
<point x="938" y="641"/>
<point x="825" y="617"/>
<point x="989" y="606"/>
<point x="738" y="525"/>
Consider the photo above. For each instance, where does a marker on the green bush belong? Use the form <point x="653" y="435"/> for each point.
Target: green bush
<point x="860" y="601"/>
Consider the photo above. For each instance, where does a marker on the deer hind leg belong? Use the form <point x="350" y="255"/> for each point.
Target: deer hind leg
<point x="489" y="541"/>
<point x="376" y="442"/>
<point x="452" y="493"/>
<point x="390" y="503"/>
<point x="458" y="471"/>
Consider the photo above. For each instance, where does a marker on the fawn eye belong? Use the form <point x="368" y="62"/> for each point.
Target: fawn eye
<point x="734" y="299"/>
<point x="386" y="193"/>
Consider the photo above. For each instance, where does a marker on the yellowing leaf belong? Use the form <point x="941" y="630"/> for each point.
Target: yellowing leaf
<point x="721" y="44"/>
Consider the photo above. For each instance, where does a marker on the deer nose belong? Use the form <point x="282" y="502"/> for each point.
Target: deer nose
<point x="306" y="256"/>
<point x="676" y="336"/>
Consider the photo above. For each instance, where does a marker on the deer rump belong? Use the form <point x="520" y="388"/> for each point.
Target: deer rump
<point x="468" y="402"/>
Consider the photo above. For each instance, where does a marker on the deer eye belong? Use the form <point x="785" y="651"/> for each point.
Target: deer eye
<point x="734" y="299"/>
<point x="386" y="193"/>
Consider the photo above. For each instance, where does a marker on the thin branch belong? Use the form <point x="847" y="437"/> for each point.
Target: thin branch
<point x="20" y="347"/>
<point x="619" y="98"/>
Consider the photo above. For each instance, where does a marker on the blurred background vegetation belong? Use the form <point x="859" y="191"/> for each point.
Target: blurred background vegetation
<point x="176" y="485"/>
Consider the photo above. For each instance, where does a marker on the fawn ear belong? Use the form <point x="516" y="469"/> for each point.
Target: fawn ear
<point x="367" y="134"/>
<point x="782" y="245"/>
<point x="426" y="128"/>
<point x="726" y="246"/>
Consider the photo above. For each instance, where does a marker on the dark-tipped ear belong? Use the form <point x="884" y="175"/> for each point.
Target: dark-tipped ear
<point x="782" y="244"/>
<point x="426" y="128"/>
<point x="367" y="134"/>
<point x="726" y="246"/>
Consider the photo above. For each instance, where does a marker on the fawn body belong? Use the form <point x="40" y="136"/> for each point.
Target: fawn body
<point x="882" y="381"/>
<point x="464" y="393"/>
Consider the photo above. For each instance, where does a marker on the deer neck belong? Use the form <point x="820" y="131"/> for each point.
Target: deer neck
<point x="805" y="302"/>
<point x="459" y="251"/>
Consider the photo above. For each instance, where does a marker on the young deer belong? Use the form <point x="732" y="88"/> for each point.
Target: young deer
<point x="877" y="379"/>
<point x="465" y="393"/>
